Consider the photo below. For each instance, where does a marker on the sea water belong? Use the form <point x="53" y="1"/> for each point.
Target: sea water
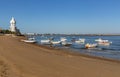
<point x="111" y="51"/>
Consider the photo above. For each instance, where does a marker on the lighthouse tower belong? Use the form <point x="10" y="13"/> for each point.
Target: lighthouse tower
<point x="13" y="25"/>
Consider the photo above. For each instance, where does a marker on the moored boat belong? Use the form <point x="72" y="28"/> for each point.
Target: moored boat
<point x="103" y="42"/>
<point x="80" y="41"/>
<point x="45" y="41"/>
<point x="87" y="46"/>
<point x="64" y="42"/>
<point x="30" y="40"/>
<point x="55" y="42"/>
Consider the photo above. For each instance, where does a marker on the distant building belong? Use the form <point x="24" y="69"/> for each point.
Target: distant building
<point x="13" y="27"/>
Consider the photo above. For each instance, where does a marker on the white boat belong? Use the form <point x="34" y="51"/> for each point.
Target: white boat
<point x="45" y="41"/>
<point x="90" y="45"/>
<point x="80" y="41"/>
<point x="30" y="40"/>
<point x="62" y="39"/>
<point x="55" y="42"/>
<point x="103" y="42"/>
<point x="64" y="42"/>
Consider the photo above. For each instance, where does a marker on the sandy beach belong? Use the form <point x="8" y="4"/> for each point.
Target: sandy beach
<point x="19" y="59"/>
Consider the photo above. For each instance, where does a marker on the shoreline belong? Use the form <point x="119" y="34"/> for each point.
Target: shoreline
<point x="32" y="60"/>
<point x="63" y="51"/>
<point x="76" y="34"/>
<point x="70" y="51"/>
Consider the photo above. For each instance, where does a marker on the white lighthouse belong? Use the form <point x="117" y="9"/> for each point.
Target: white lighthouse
<point x="13" y="25"/>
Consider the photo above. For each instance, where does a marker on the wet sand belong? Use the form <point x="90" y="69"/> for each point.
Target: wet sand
<point x="19" y="59"/>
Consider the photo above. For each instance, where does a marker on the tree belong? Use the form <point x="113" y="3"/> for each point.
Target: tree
<point x="6" y="32"/>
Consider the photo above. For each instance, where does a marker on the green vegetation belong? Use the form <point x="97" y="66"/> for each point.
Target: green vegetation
<point x="5" y="32"/>
<point x="9" y="32"/>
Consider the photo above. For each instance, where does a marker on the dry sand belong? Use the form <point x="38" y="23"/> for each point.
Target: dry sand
<point x="18" y="59"/>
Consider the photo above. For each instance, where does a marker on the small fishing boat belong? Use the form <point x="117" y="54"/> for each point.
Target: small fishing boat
<point x="103" y="42"/>
<point x="87" y="46"/>
<point x="45" y="41"/>
<point x="63" y="39"/>
<point x="30" y="40"/>
<point x="80" y="41"/>
<point x="64" y="42"/>
<point x="55" y="42"/>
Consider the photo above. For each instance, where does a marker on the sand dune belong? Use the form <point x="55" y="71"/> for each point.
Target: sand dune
<point x="28" y="60"/>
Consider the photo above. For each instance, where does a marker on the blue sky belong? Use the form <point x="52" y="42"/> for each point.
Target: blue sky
<point x="62" y="16"/>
